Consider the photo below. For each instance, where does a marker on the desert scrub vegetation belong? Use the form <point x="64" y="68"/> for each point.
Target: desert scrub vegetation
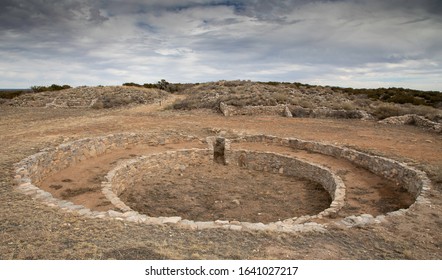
<point x="302" y="99"/>
<point x="236" y="93"/>
<point x="247" y="93"/>
<point x="94" y="97"/>
<point x="163" y="85"/>
<point x="399" y="95"/>
<point x="113" y="97"/>
<point x="382" y="110"/>
<point x="52" y="87"/>
<point x="9" y="94"/>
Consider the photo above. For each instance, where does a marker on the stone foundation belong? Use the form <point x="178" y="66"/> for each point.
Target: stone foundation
<point x="416" y="120"/>
<point x="301" y="112"/>
<point x="33" y="169"/>
<point x="278" y="110"/>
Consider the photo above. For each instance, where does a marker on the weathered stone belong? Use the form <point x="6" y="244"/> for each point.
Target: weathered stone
<point x="205" y="225"/>
<point x="171" y="220"/>
<point x="114" y="214"/>
<point x="279" y="110"/>
<point x="254" y="226"/>
<point x="235" y="227"/>
<point x="129" y="214"/>
<point x="220" y="222"/>
<point x="412" y="119"/>
<point x="188" y="224"/>
<point x="134" y="218"/>
<point x="36" y="167"/>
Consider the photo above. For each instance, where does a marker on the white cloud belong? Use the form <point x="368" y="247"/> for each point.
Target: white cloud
<point x="354" y="43"/>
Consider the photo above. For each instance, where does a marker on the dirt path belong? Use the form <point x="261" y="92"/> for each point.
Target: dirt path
<point x="30" y="230"/>
<point x="156" y="106"/>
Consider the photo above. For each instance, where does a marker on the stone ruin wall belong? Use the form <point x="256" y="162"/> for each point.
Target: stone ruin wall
<point x="412" y="119"/>
<point x="415" y="181"/>
<point x="32" y="169"/>
<point x="293" y="111"/>
<point x="278" y="110"/>
<point x="276" y="163"/>
<point x="37" y="166"/>
<point x="127" y="173"/>
<point x="301" y="112"/>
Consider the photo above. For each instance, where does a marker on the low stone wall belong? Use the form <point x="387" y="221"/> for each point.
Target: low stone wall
<point x="127" y="172"/>
<point x="278" y="110"/>
<point x="301" y="112"/>
<point x="416" y="120"/>
<point x="293" y="111"/>
<point x="125" y="175"/>
<point x="33" y="169"/>
<point x="276" y="163"/>
<point x="413" y="180"/>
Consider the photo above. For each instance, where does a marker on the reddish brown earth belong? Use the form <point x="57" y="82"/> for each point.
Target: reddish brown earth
<point x="365" y="192"/>
<point x="30" y="230"/>
<point x="209" y="192"/>
<point x="81" y="183"/>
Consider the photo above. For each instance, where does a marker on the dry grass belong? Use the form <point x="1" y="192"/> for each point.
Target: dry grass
<point x="30" y="230"/>
<point x="246" y="93"/>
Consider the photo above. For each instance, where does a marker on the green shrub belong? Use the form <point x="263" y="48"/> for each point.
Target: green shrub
<point x="9" y="94"/>
<point x="386" y="110"/>
<point x="52" y="87"/>
<point x="132" y="85"/>
<point x="399" y="95"/>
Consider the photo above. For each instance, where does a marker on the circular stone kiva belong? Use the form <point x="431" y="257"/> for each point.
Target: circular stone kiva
<point x="218" y="155"/>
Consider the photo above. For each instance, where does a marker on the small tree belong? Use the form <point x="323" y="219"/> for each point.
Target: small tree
<point x="163" y="84"/>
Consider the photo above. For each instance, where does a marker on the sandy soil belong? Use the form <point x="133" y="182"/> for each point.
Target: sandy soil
<point x="30" y="230"/>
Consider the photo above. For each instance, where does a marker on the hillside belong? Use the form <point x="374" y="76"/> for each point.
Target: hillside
<point x="93" y="97"/>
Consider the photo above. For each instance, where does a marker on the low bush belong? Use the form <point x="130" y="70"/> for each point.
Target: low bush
<point x="399" y="95"/>
<point x="9" y="94"/>
<point x="52" y="87"/>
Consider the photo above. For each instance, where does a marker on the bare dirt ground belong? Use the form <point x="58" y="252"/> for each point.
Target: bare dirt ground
<point x="29" y="230"/>
<point x="209" y="192"/>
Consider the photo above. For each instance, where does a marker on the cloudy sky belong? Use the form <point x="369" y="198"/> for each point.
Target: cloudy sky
<point x="376" y="43"/>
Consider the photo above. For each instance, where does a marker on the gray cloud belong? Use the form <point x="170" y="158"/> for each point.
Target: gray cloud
<point x="340" y="42"/>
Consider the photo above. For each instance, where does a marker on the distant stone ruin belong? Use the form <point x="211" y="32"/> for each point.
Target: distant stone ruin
<point x="278" y="110"/>
<point x="293" y="111"/>
<point x="301" y="112"/>
<point x="416" y="120"/>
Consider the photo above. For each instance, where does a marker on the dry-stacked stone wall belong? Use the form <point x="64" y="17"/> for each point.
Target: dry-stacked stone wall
<point x="293" y="111"/>
<point x="125" y="174"/>
<point x="412" y="119"/>
<point x="278" y="110"/>
<point x="413" y="180"/>
<point x="33" y="169"/>
<point x="276" y="163"/>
